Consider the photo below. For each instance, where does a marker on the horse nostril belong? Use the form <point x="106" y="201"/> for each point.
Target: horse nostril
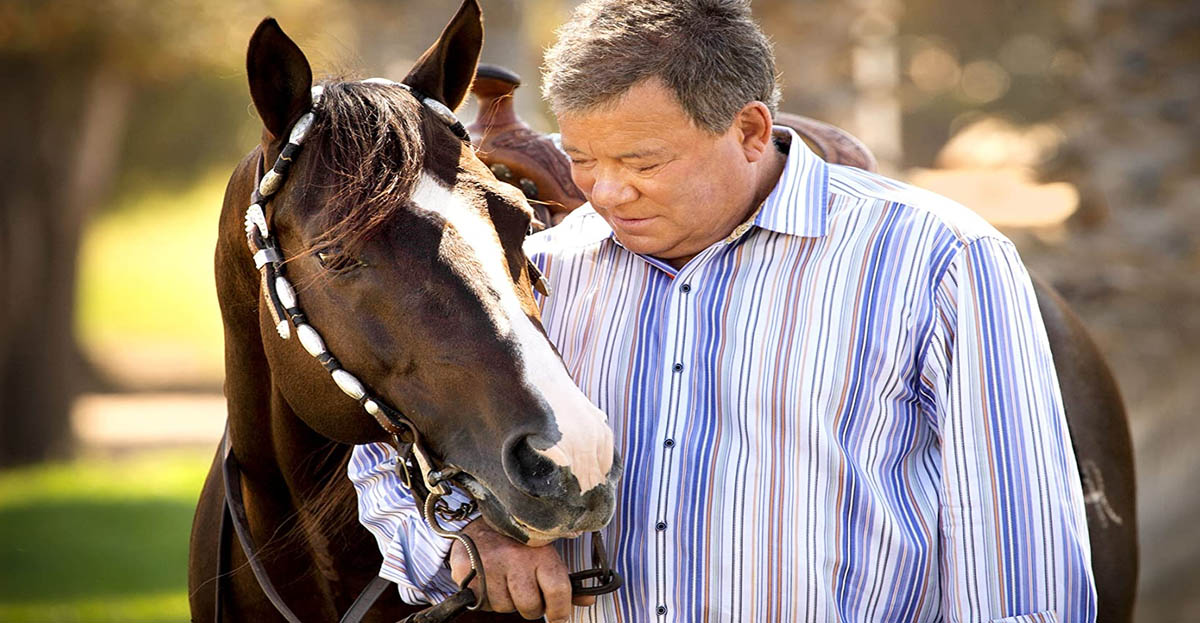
<point x="531" y="471"/>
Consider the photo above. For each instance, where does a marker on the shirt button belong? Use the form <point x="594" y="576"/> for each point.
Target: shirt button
<point x="677" y="367"/>
<point x="660" y="526"/>
<point x="661" y="610"/>
<point x="685" y="288"/>
<point x="670" y="443"/>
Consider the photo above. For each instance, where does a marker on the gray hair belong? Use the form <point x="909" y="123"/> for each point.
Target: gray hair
<point x="709" y="53"/>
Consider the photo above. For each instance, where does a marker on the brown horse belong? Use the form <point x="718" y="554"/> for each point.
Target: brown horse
<point x="406" y="255"/>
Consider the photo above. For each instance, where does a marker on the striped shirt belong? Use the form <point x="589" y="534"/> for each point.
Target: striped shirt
<point x="845" y="411"/>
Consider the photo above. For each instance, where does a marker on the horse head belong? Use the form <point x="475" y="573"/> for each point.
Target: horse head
<point x="405" y="253"/>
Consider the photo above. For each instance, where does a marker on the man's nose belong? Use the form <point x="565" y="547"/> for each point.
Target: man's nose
<point x="611" y="189"/>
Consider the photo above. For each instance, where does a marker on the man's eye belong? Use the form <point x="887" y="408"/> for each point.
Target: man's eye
<point x="334" y="261"/>
<point x="645" y="168"/>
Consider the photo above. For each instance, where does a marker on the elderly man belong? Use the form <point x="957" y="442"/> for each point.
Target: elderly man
<point x="832" y="392"/>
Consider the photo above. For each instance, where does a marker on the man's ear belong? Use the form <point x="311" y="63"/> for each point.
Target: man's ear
<point x="444" y="72"/>
<point x="754" y="124"/>
<point x="280" y="78"/>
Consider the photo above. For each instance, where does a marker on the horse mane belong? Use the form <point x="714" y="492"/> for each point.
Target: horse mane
<point x="368" y="142"/>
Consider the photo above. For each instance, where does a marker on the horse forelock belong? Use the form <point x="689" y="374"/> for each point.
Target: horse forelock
<point x="369" y="144"/>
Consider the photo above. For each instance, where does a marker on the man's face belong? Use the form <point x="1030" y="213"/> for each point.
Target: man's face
<point x="667" y="187"/>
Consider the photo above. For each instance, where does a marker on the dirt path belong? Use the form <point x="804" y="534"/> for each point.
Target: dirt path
<point x="119" y="422"/>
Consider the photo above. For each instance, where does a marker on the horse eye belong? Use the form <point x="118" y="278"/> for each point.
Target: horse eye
<point x="338" y="263"/>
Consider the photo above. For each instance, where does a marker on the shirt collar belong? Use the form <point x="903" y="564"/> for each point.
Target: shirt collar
<point x="798" y="205"/>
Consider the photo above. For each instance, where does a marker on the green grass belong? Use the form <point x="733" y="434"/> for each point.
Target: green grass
<point x="99" y="539"/>
<point x="146" y="272"/>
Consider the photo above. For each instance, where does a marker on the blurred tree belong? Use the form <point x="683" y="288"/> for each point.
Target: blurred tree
<point x="72" y="70"/>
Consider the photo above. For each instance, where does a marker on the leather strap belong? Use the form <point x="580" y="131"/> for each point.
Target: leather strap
<point x="366" y="599"/>
<point x="234" y="512"/>
<point x="222" y="563"/>
<point x="453" y="606"/>
<point x="235" y="507"/>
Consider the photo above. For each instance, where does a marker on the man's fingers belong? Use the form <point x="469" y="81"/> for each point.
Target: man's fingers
<point x="497" y="598"/>
<point x="525" y="595"/>
<point x="584" y="600"/>
<point x="532" y="581"/>
<point x="556" y="588"/>
<point x="460" y="563"/>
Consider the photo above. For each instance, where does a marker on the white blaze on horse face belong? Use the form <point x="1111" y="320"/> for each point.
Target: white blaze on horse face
<point x="586" y="445"/>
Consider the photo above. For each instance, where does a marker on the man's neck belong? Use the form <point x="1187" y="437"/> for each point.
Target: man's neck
<point x="771" y="170"/>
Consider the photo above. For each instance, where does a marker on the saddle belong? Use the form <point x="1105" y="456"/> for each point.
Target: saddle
<point x="533" y="163"/>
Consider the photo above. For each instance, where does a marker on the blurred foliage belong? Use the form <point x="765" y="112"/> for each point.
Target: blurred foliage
<point x="100" y="539"/>
<point x="981" y="58"/>
<point x="153" y="40"/>
<point x="184" y="61"/>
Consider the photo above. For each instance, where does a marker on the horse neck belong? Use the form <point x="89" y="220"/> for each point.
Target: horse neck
<point x="294" y="479"/>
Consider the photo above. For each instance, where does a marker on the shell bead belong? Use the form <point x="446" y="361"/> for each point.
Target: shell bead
<point x="441" y="111"/>
<point x="287" y="295"/>
<point x="310" y="340"/>
<point x="270" y="183"/>
<point x="300" y="130"/>
<point x="372" y="407"/>
<point x="352" y="386"/>
<point x="256" y="218"/>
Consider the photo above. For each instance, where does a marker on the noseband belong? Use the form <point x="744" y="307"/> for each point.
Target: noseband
<point x="417" y="469"/>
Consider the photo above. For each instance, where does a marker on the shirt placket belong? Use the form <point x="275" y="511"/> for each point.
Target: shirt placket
<point x="678" y="385"/>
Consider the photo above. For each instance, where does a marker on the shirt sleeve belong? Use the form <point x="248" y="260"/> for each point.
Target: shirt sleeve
<point x="1013" y="532"/>
<point x="414" y="556"/>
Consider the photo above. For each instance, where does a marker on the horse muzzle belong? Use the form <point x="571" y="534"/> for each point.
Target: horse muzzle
<point x="546" y="507"/>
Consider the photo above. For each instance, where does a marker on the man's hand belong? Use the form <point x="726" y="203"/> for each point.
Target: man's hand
<point x="529" y="580"/>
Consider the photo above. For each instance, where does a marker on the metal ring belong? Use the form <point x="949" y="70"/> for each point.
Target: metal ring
<point x="467" y="543"/>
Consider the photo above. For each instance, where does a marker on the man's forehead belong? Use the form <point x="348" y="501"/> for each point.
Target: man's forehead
<point x="644" y="119"/>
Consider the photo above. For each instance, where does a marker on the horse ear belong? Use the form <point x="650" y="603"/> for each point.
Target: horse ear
<point x="280" y="78"/>
<point x="444" y="72"/>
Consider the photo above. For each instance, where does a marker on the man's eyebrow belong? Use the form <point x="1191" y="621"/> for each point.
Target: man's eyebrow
<point x="630" y="155"/>
<point x="643" y="153"/>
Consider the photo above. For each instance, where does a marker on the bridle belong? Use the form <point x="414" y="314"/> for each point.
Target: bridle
<point x="425" y="476"/>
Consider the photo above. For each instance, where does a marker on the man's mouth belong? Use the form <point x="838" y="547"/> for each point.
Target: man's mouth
<point x="630" y="223"/>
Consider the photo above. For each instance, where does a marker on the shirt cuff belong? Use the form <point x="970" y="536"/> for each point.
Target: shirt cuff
<point x="419" y="565"/>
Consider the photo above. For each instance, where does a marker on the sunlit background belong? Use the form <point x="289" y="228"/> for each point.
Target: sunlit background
<point x="1071" y="124"/>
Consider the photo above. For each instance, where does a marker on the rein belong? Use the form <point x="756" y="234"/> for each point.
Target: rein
<point x="415" y="466"/>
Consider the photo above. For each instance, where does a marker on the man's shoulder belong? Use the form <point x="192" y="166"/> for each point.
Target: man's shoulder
<point x="854" y="190"/>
